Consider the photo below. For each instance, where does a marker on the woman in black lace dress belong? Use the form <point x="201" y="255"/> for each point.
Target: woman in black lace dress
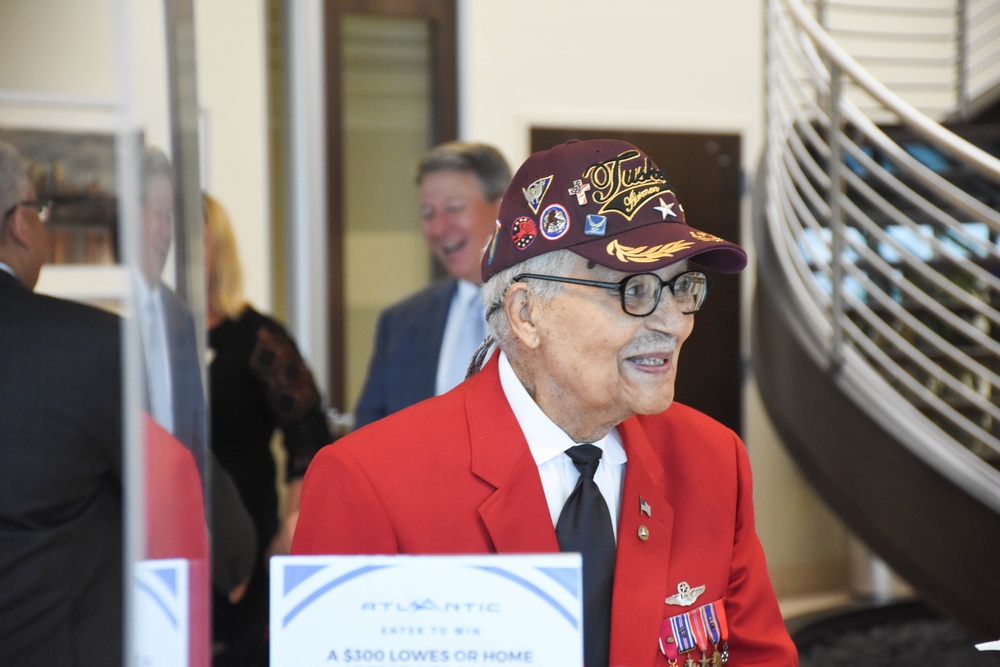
<point x="259" y="384"/>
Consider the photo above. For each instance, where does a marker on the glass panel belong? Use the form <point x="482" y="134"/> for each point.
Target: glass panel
<point x="99" y="97"/>
<point x="387" y="119"/>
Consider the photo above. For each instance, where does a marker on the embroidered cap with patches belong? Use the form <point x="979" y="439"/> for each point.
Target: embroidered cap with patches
<point x="607" y="201"/>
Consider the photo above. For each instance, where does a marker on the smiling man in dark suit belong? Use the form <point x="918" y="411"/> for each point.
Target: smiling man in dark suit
<point x="60" y="455"/>
<point x="423" y="344"/>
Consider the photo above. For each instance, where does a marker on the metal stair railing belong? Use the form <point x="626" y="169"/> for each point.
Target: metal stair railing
<point x="887" y="225"/>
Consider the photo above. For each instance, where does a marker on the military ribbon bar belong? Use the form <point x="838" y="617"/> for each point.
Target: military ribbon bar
<point x="698" y="628"/>
<point x="710" y="622"/>
<point x="721" y="656"/>
<point x="683" y="633"/>
<point x="720" y="614"/>
<point x="667" y="645"/>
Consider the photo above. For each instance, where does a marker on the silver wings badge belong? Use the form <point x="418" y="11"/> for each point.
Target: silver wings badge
<point x="685" y="595"/>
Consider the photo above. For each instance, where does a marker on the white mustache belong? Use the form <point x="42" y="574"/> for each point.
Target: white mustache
<point x="652" y="342"/>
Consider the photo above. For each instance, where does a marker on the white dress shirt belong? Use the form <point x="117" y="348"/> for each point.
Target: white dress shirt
<point x="548" y="444"/>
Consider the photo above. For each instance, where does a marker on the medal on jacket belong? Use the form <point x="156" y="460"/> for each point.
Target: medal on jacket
<point x="683" y="636"/>
<point x="667" y="645"/>
<point x="703" y="628"/>
<point x="712" y="619"/>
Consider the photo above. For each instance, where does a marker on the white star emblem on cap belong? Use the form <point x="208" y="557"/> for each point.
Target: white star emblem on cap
<point x="666" y="209"/>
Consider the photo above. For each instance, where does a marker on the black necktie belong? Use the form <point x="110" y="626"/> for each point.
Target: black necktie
<point x="585" y="526"/>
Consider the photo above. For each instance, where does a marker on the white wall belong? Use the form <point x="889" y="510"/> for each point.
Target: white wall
<point x="634" y="63"/>
<point x="232" y="94"/>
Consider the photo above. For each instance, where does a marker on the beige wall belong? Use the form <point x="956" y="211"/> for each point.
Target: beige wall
<point x="36" y="34"/>
<point x="232" y="97"/>
<point x="66" y="48"/>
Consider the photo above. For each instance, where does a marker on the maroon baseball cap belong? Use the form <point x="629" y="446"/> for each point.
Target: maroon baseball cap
<point x="605" y="200"/>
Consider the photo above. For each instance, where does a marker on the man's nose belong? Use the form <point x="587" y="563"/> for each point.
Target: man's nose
<point x="434" y="224"/>
<point x="668" y="315"/>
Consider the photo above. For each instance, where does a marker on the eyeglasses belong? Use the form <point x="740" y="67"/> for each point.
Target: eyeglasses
<point x="44" y="208"/>
<point x="640" y="293"/>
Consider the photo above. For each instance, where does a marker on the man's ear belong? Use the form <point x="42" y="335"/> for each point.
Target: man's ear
<point x="523" y="310"/>
<point x="17" y="228"/>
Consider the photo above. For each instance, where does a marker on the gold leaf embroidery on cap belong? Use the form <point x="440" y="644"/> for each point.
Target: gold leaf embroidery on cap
<point x="643" y="253"/>
<point x="704" y="236"/>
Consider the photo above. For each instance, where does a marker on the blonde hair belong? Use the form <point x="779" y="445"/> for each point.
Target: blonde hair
<point x="225" y="286"/>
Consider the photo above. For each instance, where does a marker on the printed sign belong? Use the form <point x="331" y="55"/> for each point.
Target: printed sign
<point x="161" y="605"/>
<point x="403" y="611"/>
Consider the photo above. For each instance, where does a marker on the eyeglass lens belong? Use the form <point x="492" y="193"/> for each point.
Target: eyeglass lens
<point x="641" y="293"/>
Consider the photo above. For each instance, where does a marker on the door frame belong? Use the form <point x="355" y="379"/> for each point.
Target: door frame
<point x="444" y="127"/>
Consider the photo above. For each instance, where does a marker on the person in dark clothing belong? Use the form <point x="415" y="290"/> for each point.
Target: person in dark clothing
<point x="60" y="455"/>
<point x="259" y="383"/>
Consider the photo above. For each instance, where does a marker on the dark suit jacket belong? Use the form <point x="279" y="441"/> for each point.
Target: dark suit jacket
<point x="404" y="363"/>
<point x="60" y="482"/>
<point x="454" y="475"/>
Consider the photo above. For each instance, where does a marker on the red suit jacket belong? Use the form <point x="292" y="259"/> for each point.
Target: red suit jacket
<point x="453" y="474"/>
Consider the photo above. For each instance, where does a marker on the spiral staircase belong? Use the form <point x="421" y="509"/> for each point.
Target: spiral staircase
<point x="876" y="322"/>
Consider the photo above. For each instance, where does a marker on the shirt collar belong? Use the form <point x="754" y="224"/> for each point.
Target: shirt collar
<point x="144" y="292"/>
<point x="545" y="439"/>
<point x="467" y="290"/>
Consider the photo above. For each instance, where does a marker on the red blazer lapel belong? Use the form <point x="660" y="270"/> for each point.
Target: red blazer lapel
<point x="516" y="515"/>
<point x="641" y="567"/>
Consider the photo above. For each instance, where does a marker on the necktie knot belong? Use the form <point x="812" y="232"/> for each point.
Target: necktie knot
<point x="586" y="458"/>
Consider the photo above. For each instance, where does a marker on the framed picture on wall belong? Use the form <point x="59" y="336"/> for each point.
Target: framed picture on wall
<point x="76" y="171"/>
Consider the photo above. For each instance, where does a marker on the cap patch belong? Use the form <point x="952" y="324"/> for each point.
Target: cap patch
<point x="523" y="232"/>
<point x="625" y="183"/>
<point x="580" y="189"/>
<point x="535" y="192"/>
<point x="646" y="254"/>
<point x="491" y="249"/>
<point x="555" y="222"/>
<point x="597" y="225"/>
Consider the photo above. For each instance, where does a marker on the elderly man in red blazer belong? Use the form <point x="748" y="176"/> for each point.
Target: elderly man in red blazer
<point x="568" y="438"/>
